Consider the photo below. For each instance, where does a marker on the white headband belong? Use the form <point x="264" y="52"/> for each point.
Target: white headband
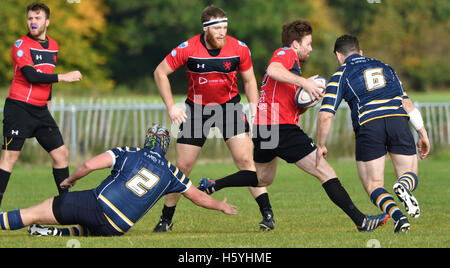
<point x="210" y="23"/>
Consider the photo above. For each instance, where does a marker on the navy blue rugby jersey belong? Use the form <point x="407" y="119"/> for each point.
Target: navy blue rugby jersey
<point x="370" y="87"/>
<point x="139" y="178"/>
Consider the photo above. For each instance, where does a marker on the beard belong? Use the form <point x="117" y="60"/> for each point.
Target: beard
<point x="38" y="31"/>
<point x="303" y="57"/>
<point x="213" y="41"/>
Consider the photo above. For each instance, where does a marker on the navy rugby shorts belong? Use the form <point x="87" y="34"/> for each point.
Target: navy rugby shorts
<point x="82" y="207"/>
<point x="389" y="134"/>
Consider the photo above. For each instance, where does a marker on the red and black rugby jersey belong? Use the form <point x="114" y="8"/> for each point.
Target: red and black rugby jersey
<point x="212" y="79"/>
<point x="27" y="51"/>
<point x="277" y="100"/>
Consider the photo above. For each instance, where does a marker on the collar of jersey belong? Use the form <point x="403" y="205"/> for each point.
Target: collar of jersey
<point x="352" y="57"/>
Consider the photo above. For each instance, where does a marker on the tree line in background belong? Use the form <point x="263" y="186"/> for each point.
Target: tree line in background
<point x="117" y="44"/>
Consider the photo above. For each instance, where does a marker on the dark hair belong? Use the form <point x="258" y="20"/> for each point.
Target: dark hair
<point x="295" y="30"/>
<point x="346" y="44"/>
<point x="39" y="6"/>
<point x="212" y="12"/>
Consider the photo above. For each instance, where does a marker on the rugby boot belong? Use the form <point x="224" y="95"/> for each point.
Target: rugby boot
<point x="207" y="185"/>
<point x="267" y="223"/>
<point x="408" y="200"/>
<point x="402" y="225"/>
<point x="163" y="225"/>
<point x="39" y="230"/>
<point x="372" y="222"/>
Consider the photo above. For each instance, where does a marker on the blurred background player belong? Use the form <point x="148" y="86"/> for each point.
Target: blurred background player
<point x="139" y="178"/>
<point x="277" y="133"/>
<point x="26" y="112"/>
<point x="213" y="60"/>
<point x="379" y="109"/>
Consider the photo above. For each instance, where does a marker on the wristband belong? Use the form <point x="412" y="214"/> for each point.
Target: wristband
<point x="416" y="119"/>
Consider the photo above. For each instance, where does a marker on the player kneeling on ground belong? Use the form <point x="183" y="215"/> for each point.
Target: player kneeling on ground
<point x="139" y="178"/>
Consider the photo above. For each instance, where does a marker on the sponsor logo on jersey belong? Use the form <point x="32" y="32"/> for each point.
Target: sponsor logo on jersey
<point x="242" y="43"/>
<point x="183" y="45"/>
<point x="18" y="43"/>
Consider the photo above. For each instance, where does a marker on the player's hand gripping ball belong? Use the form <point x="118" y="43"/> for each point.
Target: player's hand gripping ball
<point x="304" y="100"/>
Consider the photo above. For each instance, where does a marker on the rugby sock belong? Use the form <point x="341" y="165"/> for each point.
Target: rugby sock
<point x="11" y="220"/>
<point x="264" y="203"/>
<point x="60" y="174"/>
<point x="4" y="179"/>
<point x="409" y="180"/>
<point x="238" y="179"/>
<point x="337" y="193"/>
<point x="385" y="202"/>
<point x="167" y="212"/>
<point x="77" y="230"/>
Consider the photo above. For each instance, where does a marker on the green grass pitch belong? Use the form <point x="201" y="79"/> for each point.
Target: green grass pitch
<point x="304" y="215"/>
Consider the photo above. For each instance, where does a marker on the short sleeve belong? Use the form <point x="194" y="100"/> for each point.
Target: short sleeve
<point x="333" y="95"/>
<point x="284" y="57"/>
<point x="178" y="56"/>
<point x="245" y="57"/>
<point x="181" y="182"/>
<point x="118" y="153"/>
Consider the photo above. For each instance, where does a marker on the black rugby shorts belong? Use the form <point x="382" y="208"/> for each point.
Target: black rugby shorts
<point x="228" y="117"/>
<point x="23" y="120"/>
<point x="288" y="142"/>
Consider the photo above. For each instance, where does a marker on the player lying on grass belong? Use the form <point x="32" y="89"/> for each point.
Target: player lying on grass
<point x="139" y="178"/>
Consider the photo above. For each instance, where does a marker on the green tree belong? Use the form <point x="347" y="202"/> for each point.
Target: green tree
<point x="74" y="26"/>
<point x="144" y="32"/>
<point x="412" y="36"/>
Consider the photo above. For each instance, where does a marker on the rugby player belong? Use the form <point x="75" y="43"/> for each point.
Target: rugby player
<point x="26" y="112"/>
<point x="213" y="60"/>
<point x="139" y="178"/>
<point x="380" y="110"/>
<point x="277" y="134"/>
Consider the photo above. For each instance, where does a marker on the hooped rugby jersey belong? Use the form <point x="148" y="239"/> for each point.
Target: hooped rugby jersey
<point x="139" y="178"/>
<point x="276" y="99"/>
<point x="212" y="79"/>
<point x="370" y="87"/>
<point x="27" y="51"/>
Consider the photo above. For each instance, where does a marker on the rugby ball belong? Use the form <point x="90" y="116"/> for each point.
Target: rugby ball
<point x="304" y="100"/>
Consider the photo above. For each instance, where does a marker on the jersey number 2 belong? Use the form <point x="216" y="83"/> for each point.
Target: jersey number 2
<point x="142" y="182"/>
<point x="374" y="78"/>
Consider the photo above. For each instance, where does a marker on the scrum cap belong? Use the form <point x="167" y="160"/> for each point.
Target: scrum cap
<point x="157" y="136"/>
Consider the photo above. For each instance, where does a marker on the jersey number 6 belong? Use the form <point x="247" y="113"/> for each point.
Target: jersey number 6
<point x="142" y="182"/>
<point x="374" y="78"/>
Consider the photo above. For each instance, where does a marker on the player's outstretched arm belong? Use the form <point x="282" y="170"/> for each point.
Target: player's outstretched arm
<point x="101" y="161"/>
<point x="74" y="76"/>
<point x="203" y="200"/>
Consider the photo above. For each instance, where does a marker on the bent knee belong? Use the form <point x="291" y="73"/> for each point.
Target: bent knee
<point x="60" y="156"/>
<point x="185" y="166"/>
<point x="245" y="163"/>
<point x="9" y="159"/>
